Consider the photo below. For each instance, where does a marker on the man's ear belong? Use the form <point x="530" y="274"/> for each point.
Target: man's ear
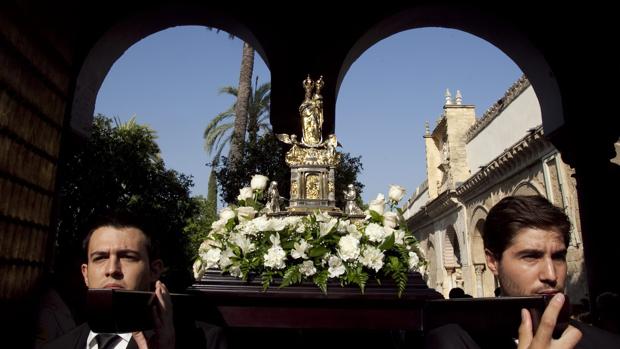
<point x="85" y="273"/>
<point x="492" y="262"/>
<point x="157" y="267"/>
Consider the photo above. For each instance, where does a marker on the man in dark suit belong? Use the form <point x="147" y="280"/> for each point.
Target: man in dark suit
<point x="526" y="240"/>
<point x="121" y="255"/>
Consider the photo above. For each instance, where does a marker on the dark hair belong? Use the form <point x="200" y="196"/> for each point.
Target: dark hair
<point x="456" y="292"/>
<point x="119" y="221"/>
<point x="514" y="213"/>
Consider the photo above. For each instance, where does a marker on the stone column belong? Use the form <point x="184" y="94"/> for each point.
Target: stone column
<point x="479" y="268"/>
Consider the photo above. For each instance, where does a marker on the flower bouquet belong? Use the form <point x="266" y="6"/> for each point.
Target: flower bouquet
<point x="315" y="247"/>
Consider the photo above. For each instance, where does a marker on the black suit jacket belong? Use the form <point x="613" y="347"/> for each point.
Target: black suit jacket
<point x="76" y="339"/>
<point x="189" y="334"/>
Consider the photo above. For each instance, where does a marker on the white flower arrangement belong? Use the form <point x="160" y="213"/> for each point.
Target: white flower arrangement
<point x="316" y="247"/>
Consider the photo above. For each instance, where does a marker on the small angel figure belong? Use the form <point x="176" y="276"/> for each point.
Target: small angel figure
<point x="292" y="139"/>
<point x="351" y="207"/>
<point x="332" y="143"/>
<point x="273" y="198"/>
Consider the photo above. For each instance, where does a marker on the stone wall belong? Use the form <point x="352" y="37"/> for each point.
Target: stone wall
<point x="34" y="87"/>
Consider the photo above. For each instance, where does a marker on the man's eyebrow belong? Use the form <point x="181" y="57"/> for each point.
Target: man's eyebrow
<point x="530" y="251"/>
<point x="120" y="251"/>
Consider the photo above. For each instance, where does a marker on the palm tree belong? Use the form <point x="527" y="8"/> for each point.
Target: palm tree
<point x="241" y="107"/>
<point x="217" y="133"/>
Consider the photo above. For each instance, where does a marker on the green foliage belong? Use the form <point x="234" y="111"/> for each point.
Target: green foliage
<point x="398" y="271"/>
<point x="320" y="279"/>
<point x="267" y="278"/>
<point x="266" y="157"/>
<point x="198" y="226"/>
<point x="357" y="276"/>
<point x="346" y="173"/>
<point x="119" y="169"/>
<point x="292" y="276"/>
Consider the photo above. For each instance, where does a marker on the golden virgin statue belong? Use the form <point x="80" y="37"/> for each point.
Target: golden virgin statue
<point x="311" y="111"/>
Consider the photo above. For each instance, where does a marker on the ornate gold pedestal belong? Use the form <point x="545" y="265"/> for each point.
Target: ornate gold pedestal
<point x="313" y="161"/>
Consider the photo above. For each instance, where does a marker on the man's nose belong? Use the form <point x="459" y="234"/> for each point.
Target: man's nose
<point x="548" y="273"/>
<point x="113" y="267"/>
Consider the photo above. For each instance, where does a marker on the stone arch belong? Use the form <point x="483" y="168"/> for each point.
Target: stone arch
<point x="451" y="249"/>
<point x="432" y="265"/>
<point x="526" y="188"/>
<point x="452" y="260"/>
<point x="113" y="43"/>
<point x="504" y="36"/>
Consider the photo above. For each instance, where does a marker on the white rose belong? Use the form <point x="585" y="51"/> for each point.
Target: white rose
<point x="390" y="219"/>
<point x="198" y="269"/>
<point x="372" y="258"/>
<point x="336" y="268"/>
<point x="235" y="271"/>
<point x="375" y="232"/>
<point x="225" y="258"/>
<point x="245" y="193"/>
<point x="212" y="257"/>
<point x="396" y="193"/>
<point x="307" y="268"/>
<point x="227" y="213"/>
<point x="274" y="258"/>
<point x="259" y="182"/>
<point x="399" y="237"/>
<point x="413" y="261"/>
<point x="246" y="213"/>
<point x="348" y="248"/>
<point x="377" y="204"/>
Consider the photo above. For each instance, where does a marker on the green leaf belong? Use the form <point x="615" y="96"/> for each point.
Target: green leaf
<point x="288" y="244"/>
<point x="357" y="276"/>
<point x="230" y="224"/>
<point x="292" y="276"/>
<point x="317" y="251"/>
<point x="388" y="243"/>
<point x="267" y="279"/>
<point x="376" y="217"/>
<point x="320" y="279"/>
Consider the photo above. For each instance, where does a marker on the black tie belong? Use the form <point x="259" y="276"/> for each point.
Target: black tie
<point x="107" y="340"/>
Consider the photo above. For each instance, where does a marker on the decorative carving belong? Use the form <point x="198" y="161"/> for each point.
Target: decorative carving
<point x="294" y="190"/>
<point x="312" y="186"/>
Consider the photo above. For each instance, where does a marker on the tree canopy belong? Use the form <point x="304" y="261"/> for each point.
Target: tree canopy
<point x="119" y="170"/>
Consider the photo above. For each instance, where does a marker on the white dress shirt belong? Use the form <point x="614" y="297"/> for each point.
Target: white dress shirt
<point x="91" y="341"/>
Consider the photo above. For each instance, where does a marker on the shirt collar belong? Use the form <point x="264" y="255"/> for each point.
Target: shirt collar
<point x="91" y="342"/>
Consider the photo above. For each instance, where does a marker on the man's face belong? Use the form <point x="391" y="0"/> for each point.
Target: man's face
<point x="534" y="263"/>
<point x="118" y="258"/>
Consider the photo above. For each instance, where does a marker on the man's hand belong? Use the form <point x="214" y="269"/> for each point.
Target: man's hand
<point x="542" y="339"/>
<point x="164" y="337"/>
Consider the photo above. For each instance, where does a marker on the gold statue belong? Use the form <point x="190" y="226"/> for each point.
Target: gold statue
<point x="312" y="159"/>
<point x="311" y="111"/>
<point x="312" y="149"/>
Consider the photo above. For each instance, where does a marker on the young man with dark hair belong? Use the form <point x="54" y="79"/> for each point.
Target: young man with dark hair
<point x="526" y="240"/>
<point x="121" y="255"/>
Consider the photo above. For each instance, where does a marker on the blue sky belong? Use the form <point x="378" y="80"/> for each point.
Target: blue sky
<point x="170" y="81"/>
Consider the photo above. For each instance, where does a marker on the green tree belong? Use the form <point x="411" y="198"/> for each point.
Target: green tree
<point x="119" y="169"/>
<point x="218" y="132"/>
<point x="266" y="157"/>
<point x="198" y="227"/>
